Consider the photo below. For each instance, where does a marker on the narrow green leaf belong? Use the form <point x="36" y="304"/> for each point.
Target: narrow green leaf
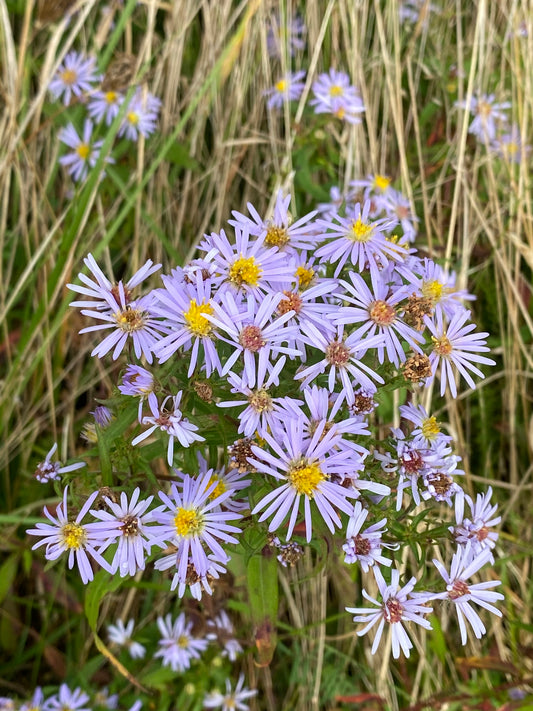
<point x="262" y="575"/>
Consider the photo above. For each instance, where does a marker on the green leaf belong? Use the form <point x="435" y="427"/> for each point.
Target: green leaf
<point x="8" y="572"/>
<point x="97" y="589"/>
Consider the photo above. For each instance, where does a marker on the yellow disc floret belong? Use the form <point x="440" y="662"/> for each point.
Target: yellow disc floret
<point x="361" y="232"/>
<point x="83" y="150"/>
<point x="281" y="85"/>
<point x="305" y="476"/>
<point x="196" y="320"/>
<point x="276" y="236"/>
<point x="433" y="290"/>
<point x="442" y="345"/>
<point x="305" y="276"/>
<point x="73" y="535"/>
<point x="381" y="182"/>
<point x="133" y="118"/>
<point x="129" y="319"/>
<point x="188" y="522"/>
<point x="219" y="489"/>
<point x="245" y="270"/>
<point x="336" y="90"/>
<point x="111" y="97"/>
<point x="430" y="428"/>
<point x="69" y="76"/>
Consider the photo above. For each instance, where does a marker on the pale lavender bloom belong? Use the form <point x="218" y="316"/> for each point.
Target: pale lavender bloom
<point x="223" y="631"/>
<point x="438" y="286"/>
<point x="7" y="704"/>
<point x="102" y="415"/>
<point x="376" y="188"/>
<point x="398" y="207"/>
<point x="49" y="471"/>
<point x="359" y="240"/>
<point x="137" y="706"/>
<point x="304" y="466"/>
<point x="510" y="147"/>
<point x="121" y="635"/>
<point x="378" y="312"/>
<point x="192" y="579"/>
<point x="290" y="35"/>
<point x="340" y="358"/>
<point x="134" y="540"/>
<point x="246" y="266"/>
<point x="455" y="345"/>
<point x="193" y="521"/>
<point x="250" y="333"/>
<point x="137" y="381"/>
<point x="335" y="205"/>
<point x="170" y="421"/>
<point x="105" y="699"/>
<point x="67" y="699"/>
<point x="231" y="700"/>
<point x="80" y="540"/>
<point x="279" y="230"/>
<point x="36" y="703"/>
<point x="427" y="429"/>
<point x="487" y="113"/>
<point x="142" y="116"/>
<point x="84" y="152"/>
<point x="134" y="320"/>
<point x="230" y="480"/>
<point x="396" y="608"/>
<point x="105" y="105"/>
<point x="287" y="88"/>
<point x="411" y="11"/>
<point x="334" y="94"/>
<point x="474" y="531"/>
<point x="177" y="646"/>
<point x="462" y="594"/>
<point x="75" y="76"/>
<point x="184" y="307"/>
<point x="364" y="546"/>
<point x="263" y="412"/>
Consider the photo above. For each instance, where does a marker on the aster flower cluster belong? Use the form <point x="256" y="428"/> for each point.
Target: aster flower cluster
<point x="77" y="80"/>
<point x="279" y="340"/>
<point x="73" y="699"/>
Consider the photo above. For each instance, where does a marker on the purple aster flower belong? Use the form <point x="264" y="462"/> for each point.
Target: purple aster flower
<point x="247" y="267"/>
<point x="231" y="700"/>
<point x="142" y="116"/>
<point x="397" y="607"/>
<point x="510" y="147"/>
<point x="184" y="308"/>
<point x="177" y="646"/>
<point x="67" y="699"/>
<point x="462" y="594"/>
<point x="134" y="541"/>
<point x="137" y="381"/>
<point x="170" y="421"/>
<point x="80" y="540"/>
<point x="359" y="240"/>
<point x="279" y="230"/>
<point x="75" y="76"/>
<point x="289" y="35"/>
<point x="439" y="288"/>
<point x="195" y="582"/>
<point x="104" y="105"/>
<point x="104" y="699"/>
<point x="230" y="480"/>
<point x="334" y="94"/>
<point x="304" y="466"/>
<point x="134" y="320"/>
<point x="36" y="703"/>
<point x="376" y="188"/>
<point x="474" y="531"/>
<point x="398" y="207"/>
<point x="287" y="88"/>
<point x="121" y="635"/>
<point x="84" y="154"/>
<point x="364" y="546"/>
<point x="340" y="358"/>
<point x="101" y="288"/>
<point x="487" y="113"/>
<point x="194" y="522"/>
<point x="263" y="412"/>
<point x="49" y="471"/>
<point x="250" y="333"/>
<point x="222" y="630"/>
<point x="378" y="312"/>
<point x="427" y="429"/>
<point x="455" y="345"/>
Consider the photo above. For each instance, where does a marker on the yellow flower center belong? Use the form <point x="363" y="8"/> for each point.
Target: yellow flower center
<point x="281" y="85"/>
<point x="219" y="489"/>
<point x="336" y="90"/>
<point x="305" y="477"/>
<point x="276" y="236"/>
<point x="196" y="321"/>
<point x="133" y="118"/>
<point x="129" y="319"/>
<point x="73" y="535"/>
<point x="442" y="345"/>
<point x="382" y="313"/>
<point x="111" y="97"/>
<point x="245" y="270"/>
<point x="484" y="109"/>
<point x="260" y="401"/>
<point x="430" y="428"/>
<point x="341" y="112"/>
<point x="361" y="232"/>
<point x="83" y="150"/>
<point x="69" y="76"/>
<point x="512" y="148"/>
<point x="305" y="276"/>
<point x="381" y="182"/>
<point x="433" y="290"/>
<point x="187" y="522"/>
<point x="183" y="641"/>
